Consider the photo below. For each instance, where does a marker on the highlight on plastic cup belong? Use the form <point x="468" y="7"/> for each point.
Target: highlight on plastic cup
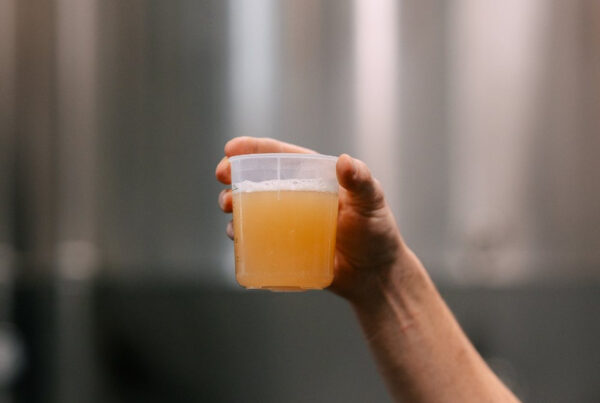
<point x="285" y="219"/>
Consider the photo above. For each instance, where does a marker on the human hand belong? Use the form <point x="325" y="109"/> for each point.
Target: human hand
<point x="423" y="354"/>
<point x="368" y="243"/>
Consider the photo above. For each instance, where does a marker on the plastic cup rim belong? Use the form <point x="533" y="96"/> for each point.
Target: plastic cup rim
<point x="283" y="155"/>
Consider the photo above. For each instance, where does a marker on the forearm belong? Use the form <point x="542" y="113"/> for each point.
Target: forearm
<point x="419" y="347"/>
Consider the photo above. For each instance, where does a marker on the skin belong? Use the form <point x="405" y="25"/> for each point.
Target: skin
<point x="419" y="347"/>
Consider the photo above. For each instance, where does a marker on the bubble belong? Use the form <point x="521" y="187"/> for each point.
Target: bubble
<point x="319" y="185"/>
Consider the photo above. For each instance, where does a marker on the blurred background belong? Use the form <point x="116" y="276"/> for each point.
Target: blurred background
<point x="480" y="118"/>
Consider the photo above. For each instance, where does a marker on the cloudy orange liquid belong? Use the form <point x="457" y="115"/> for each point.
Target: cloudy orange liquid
<point x="284" y="240"/>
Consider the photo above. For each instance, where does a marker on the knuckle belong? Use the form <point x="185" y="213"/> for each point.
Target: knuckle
<point x="364" y="173"/>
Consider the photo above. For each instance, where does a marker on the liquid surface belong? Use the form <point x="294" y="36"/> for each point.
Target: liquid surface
<point x="317" y="184"/>
<point x="284" y="240"/>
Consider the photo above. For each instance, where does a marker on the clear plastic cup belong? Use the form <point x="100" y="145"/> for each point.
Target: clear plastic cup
<point x="285" y="219"/>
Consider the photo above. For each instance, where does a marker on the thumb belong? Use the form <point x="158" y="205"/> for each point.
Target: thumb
<point x="364" y="191"/>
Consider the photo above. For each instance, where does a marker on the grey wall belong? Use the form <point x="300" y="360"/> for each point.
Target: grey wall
<point x="223" y="346"/>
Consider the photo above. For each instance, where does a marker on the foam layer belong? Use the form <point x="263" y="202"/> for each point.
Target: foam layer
<point x="318" y="185"/>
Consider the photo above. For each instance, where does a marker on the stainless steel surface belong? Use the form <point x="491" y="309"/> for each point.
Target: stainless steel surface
<point x="483" y="134"/>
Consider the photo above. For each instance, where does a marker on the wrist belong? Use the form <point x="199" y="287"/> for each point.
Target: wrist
<point x="400" y="290"/>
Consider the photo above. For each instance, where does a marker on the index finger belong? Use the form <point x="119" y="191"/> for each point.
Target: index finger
<point x="253" y="145"/>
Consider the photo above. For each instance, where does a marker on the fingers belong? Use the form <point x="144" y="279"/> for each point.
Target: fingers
<point x="223" y="171"/>
<point x="229" y="230"/>
<point x="254" y="145"/>
<point x="364" y="190"/>
<point x="225" y="201"/>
